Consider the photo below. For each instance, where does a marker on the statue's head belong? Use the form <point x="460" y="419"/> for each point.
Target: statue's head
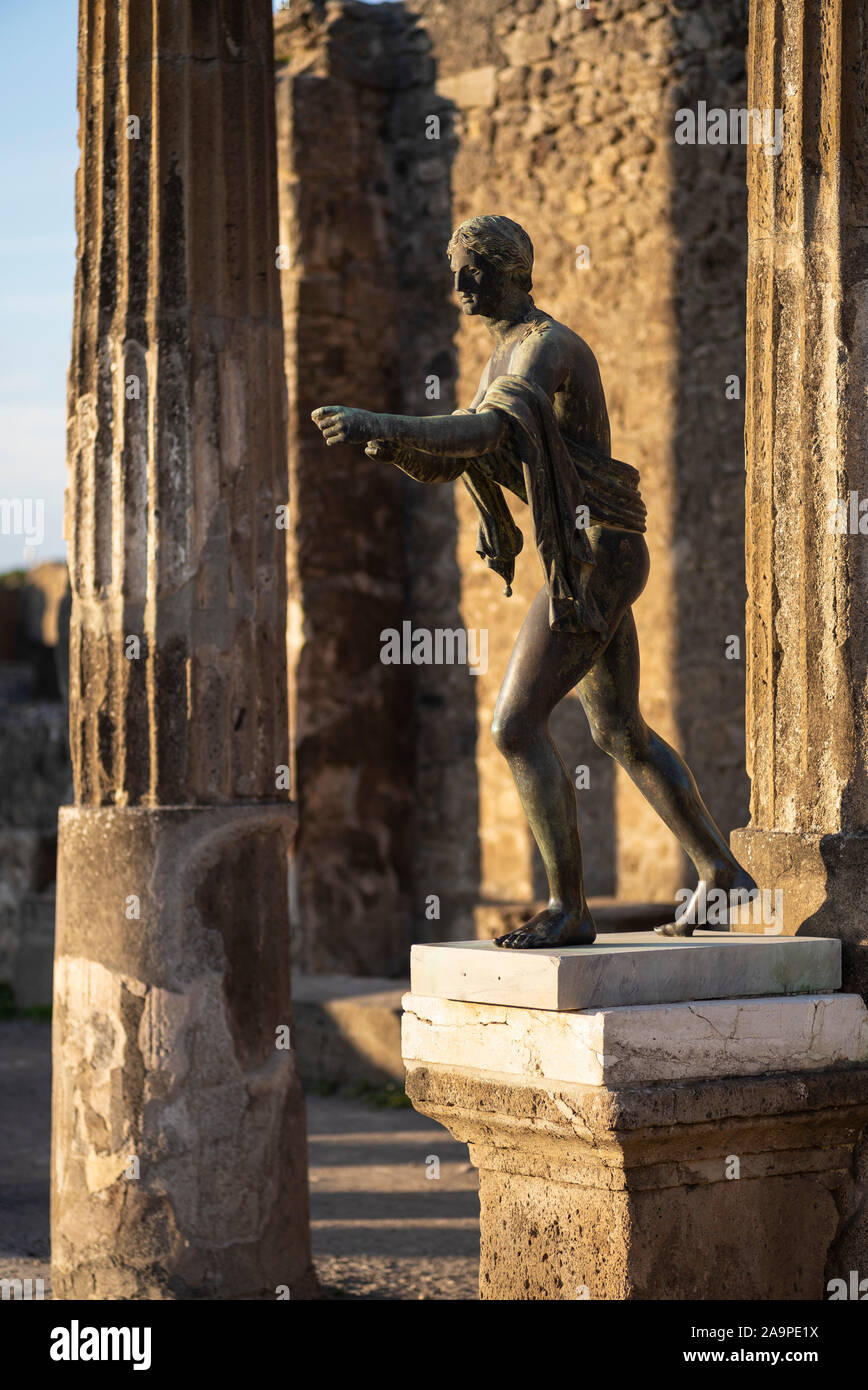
<point x="492" y="263"/>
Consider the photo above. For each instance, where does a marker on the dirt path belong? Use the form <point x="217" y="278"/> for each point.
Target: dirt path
<point x="381" y="1228"/>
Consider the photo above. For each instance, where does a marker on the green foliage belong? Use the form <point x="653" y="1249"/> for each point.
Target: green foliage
<point x="388" y="1096"/>
<point x="7" y="1001"/>
<point x="37" y="1013"/>
<point x="391" y="1096"/>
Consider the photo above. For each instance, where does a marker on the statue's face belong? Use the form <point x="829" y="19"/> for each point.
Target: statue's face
<point x="478" y="284"/>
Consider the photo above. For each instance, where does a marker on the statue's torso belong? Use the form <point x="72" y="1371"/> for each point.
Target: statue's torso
<point x="557" y="359"/>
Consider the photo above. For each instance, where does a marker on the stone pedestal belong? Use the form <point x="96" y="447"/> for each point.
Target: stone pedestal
<point x="696" y="1149"/>
<point x="626" y="968"/>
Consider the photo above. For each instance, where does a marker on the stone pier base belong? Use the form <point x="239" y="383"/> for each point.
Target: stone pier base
<point x="178" y="1148"/>
<point x="667" y="1148"/>
<point x="822" y="882"/>
<point x="715" y="1189"/>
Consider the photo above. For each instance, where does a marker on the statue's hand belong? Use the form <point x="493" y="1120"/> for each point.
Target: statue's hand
<point x="383" y="450"/>
<point x="342" y="424"/>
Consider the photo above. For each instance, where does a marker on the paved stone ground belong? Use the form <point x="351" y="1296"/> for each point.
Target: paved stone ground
<point x="25" y="1097"/>
<point x="382" y="1229"/>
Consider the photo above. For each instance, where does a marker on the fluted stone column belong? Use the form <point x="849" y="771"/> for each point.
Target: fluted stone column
<point x="179" y="1157"/>
<point x="807" y="452"/>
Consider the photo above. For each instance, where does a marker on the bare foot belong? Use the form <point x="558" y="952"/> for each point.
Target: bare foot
<point x="556" y="925"/>
<point x="731" y="879"/>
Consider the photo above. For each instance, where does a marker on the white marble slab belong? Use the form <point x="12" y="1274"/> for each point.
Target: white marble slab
<point x="624" y="968"/>
<point x="642" y="1043"/>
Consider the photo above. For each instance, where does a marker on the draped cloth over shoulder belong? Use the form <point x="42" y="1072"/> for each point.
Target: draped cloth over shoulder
<point x="555" y="475"/>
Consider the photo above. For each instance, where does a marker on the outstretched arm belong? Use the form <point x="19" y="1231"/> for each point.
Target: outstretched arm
<point x="460" y="436"/>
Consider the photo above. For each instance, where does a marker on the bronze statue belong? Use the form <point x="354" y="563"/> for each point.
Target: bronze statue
<point x="538" y="426"/>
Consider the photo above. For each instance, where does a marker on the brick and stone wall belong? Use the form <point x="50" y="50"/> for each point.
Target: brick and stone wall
<point x="562" y="119"/>
<point x="37" y="777"/>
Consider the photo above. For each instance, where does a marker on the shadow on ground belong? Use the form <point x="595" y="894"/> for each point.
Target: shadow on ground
<point x="382" y="1228"/>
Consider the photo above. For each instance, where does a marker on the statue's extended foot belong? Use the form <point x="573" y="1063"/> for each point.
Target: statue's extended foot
<point x="680" y="928"/>
<point x="556" y="925"/>
<point x="731" y="878"/>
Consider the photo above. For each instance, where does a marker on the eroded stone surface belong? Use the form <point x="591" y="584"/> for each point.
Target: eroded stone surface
<point x="664" y="1042"/>
<point x="348" y="1030"/>
<point x="806" y="437"/>
<point x="178" y="1166"/>
<point x="176" y="441"/>
<point x="178" y="1156"/>
<point x="807" y="473"/>
<point x="717" y="1189"/>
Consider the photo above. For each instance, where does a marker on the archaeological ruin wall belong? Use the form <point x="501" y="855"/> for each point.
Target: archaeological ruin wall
<point x="394" y="124"/>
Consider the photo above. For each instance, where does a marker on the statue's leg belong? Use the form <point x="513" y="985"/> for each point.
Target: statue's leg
<point x="609" y="694"/>
<point x="544" y="667"/>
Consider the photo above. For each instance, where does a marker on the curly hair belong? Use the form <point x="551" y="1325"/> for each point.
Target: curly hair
<point x="500" y="241"/>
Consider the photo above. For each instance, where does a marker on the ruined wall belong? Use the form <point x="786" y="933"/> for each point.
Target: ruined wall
<point x="37" y="777"/>
<point x="357" y="329"/>
<point x="562" y="119"/>
<point x="566" y="124"/>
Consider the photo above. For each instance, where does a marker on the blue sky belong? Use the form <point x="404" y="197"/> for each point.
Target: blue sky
<point x="38" y="160"/>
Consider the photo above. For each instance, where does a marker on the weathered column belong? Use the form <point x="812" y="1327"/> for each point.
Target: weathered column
<point x="178" y="1166"/>
<point x="807" y="462"/>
